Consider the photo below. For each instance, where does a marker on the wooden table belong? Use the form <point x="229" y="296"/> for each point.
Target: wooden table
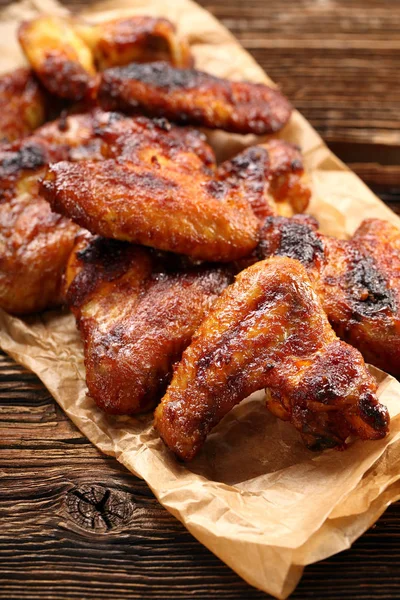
<point x="75" y="523"/>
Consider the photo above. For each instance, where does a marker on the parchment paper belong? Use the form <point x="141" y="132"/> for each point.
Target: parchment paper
<point x="254" y="496"/>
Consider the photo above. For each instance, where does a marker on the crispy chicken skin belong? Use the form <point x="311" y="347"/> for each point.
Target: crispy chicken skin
<point x="22" y="105"/>
<point x="136" y="311"/>
<point x="269" y="330"/>
<point x="59" y="57"/>
<point x="275" y="178"/>
<point x="34" y="242"/>
<point x="188" y="96"/>
<point x="161" y="195"/>
<point x="358" y="281"/>
<point x="134" y="39"/>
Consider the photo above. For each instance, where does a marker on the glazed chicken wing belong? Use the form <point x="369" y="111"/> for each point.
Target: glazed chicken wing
<point x="136" y="312"/>
<point x="59" y="57"/>
<point x="164" y="191"/>
<point x="134" y="39"/>
<point x="188" y="96"/>
<point x="22" y="105"/>
<point x="161" y="196"/>
<point x="269" y="330"/>
<point x="64" y="53"/>
<point x="358" y="281"/>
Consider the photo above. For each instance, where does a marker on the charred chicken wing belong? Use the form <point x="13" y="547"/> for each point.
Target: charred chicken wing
<point x="269" y="330"/>
<point x="136" y="312"/>
<point x="64" y="53"/>
<point x="22" y="105"/>
<point x="358" y="281"/>
<point x="188" y="96"/>
<point x="161" y="188"/>
<point x="162" y="195"/>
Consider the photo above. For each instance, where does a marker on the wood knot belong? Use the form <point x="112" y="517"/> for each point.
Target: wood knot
<point x="99" y="509"/>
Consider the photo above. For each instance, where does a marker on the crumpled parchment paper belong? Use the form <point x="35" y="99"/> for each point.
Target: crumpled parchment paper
<point x="254" y="496"/>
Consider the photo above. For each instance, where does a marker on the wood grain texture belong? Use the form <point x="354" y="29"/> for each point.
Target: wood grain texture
<point x="74" y="523"/>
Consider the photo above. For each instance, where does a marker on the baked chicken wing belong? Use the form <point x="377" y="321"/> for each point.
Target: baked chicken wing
<point x="188" y="96"/>
<point x="35" y="244"/>
<point x="269" y="330"/>
<point x="22" y="105"/>
<point x="136" y="311"/>
<point x="164" y="190"/>
<point x="65" y="53"/>
<point x="161" y="196"/>
<point x="357" y="280"/>
<point x="134" y="39"/>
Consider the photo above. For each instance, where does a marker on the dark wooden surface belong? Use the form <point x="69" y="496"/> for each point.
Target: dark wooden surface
<point x="74" y="523"/>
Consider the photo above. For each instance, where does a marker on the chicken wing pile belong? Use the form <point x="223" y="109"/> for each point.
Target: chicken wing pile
<point x="127" y="218"/>
<point x="268" y="329"/>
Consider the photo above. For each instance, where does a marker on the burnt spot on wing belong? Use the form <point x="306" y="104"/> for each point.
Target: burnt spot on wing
<point x="292" y="238"/>
<point x="368" y="288"/>
<point x="161" y="75"/>
<point x="373" y="413"/>
<point x="29" y="157"/>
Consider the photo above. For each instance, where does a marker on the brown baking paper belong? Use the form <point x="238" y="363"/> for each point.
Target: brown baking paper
<point x="254" y="496"/>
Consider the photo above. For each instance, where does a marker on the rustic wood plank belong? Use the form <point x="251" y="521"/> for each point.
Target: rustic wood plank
<point x="57" y="541"/>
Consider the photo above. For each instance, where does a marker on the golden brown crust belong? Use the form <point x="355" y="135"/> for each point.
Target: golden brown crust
<point x="134" y="39"/>
<point x="161" y="192"/>
<point x="22" y="105"/>
<point x="59" y="57"/>
<point x="170" y="208"/>
<point x="136" y="312"/>
<point x="268" y="329"/>
<point x="188" y="96"/>
<point x="357" y="280"/>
